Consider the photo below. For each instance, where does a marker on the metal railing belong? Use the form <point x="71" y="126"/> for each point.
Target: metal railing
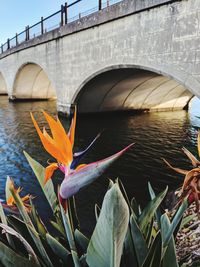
<point x="67" y="13"/>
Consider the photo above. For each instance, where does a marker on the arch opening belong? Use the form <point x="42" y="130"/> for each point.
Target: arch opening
<point x="132" y="89"/>
<point x="3" y="86"/>
<point x="31" y="82"/>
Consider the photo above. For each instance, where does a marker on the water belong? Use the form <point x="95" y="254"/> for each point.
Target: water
<point x="155" y="135"/>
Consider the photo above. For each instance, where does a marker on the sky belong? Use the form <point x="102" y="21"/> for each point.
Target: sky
<point x="16" y="14"/>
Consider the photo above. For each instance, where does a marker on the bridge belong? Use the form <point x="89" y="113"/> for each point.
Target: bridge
<point x="130" y="55"/>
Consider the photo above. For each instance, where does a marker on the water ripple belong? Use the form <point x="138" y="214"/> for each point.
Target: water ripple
<point x="155" y="135"/>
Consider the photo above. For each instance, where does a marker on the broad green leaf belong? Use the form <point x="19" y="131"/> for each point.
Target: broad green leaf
<point x="9" y="258"/>
<point x="106" y="243"/>
<point x="169" y="257"/>
<point x="57" y="248"/>
<point x="149" y="211"/>
<point x="4" y="221"/>
<point x="11" y="231"/>
<point x="70" y="237"/>
<point x="175" y="222"/>
<point x="153" y="258"/>
<point x="81" y="240"/>
<point x="48" y="188"/>
<point x="30" y="227"/>
<point x="121" y="186"/>
<point x="140" y="245"/>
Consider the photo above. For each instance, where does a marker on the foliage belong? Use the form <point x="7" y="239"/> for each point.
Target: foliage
<point x="124" y="235"/>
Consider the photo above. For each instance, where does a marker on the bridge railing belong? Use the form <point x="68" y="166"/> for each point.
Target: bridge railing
<point x="67" y="14"/>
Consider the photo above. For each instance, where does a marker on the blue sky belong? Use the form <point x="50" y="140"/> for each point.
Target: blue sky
<point x="16" y="14"/>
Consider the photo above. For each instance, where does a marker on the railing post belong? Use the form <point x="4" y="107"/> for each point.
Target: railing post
<point x="107" y="3"/>
<point x="26" y="37"/>
<point x="1" y="48"/>
<point x="61" y="14"/>
<point x="65" y="13"/>
<point x="100" y="4"/>
<point x="16" y="38"/>
<point x="8" y="44"/>
<point x="42" y="25"/>
<point x="28" y="33"/>
<point x="79" y="15"/>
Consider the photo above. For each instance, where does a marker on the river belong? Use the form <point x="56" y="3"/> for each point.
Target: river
<point x="155" y="135"/>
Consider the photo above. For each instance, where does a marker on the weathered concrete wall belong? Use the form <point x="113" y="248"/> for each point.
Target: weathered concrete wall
<point x="3" y="89"/>
<point x="164" y="39"/>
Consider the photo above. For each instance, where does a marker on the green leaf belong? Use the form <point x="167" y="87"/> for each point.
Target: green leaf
<point x="11" y="231"/>
<point x="30" y="227"/>
<point x="4" y="221"/>
<point x="20" y="227"/>
<point x="135" y="208"/>
<point x="140" y="245"/>
<point x="81" y="240"/>
<point x="40" y="225"/>
<point x="178" y="216"/>
<point x="58" y="227"/>
<point x="121" y="186"/>
<point x="57" y="248"/>
<point x="48" y="188"/>
<point x="149" y="211"/>
<point x="158" y="211"/>
<point x="9" y="258"/>
<point x="153" y="258"/>
<point x="105" y="246"/>
<point x="169" y="257"/>
<point x="187" y="219"/>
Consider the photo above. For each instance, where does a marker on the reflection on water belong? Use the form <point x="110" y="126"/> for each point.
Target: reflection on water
<point x="156" y="135"/>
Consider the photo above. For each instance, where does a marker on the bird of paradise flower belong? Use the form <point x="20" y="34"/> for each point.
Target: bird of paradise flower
<point x="10" y="204"/>
<point x="60" y="146"/>
<point x="191" y="184"/>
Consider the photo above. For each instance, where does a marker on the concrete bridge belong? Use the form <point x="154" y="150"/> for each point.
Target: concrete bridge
<point x="137" y="54"/>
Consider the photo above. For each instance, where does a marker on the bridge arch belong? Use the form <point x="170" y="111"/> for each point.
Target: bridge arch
<point x="3" y="85"/>
<point x="32" y="82"/>
<point x="131" y="87"/>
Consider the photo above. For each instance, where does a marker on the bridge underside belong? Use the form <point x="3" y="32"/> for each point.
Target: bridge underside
<point x="132" y="89"/>
<point x="32" y="82"/>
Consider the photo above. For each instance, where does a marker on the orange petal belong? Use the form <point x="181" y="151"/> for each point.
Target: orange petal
<point x="181" y="171"/>
<point x="10" y="201"/>
<point x="49" y="146"/>
<point x="49" y="171"/>
<point x="26" y="198"/>
<point x="60" y="137"/>
<point x="80" y="166"/>
<point x="71" y="132"/>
